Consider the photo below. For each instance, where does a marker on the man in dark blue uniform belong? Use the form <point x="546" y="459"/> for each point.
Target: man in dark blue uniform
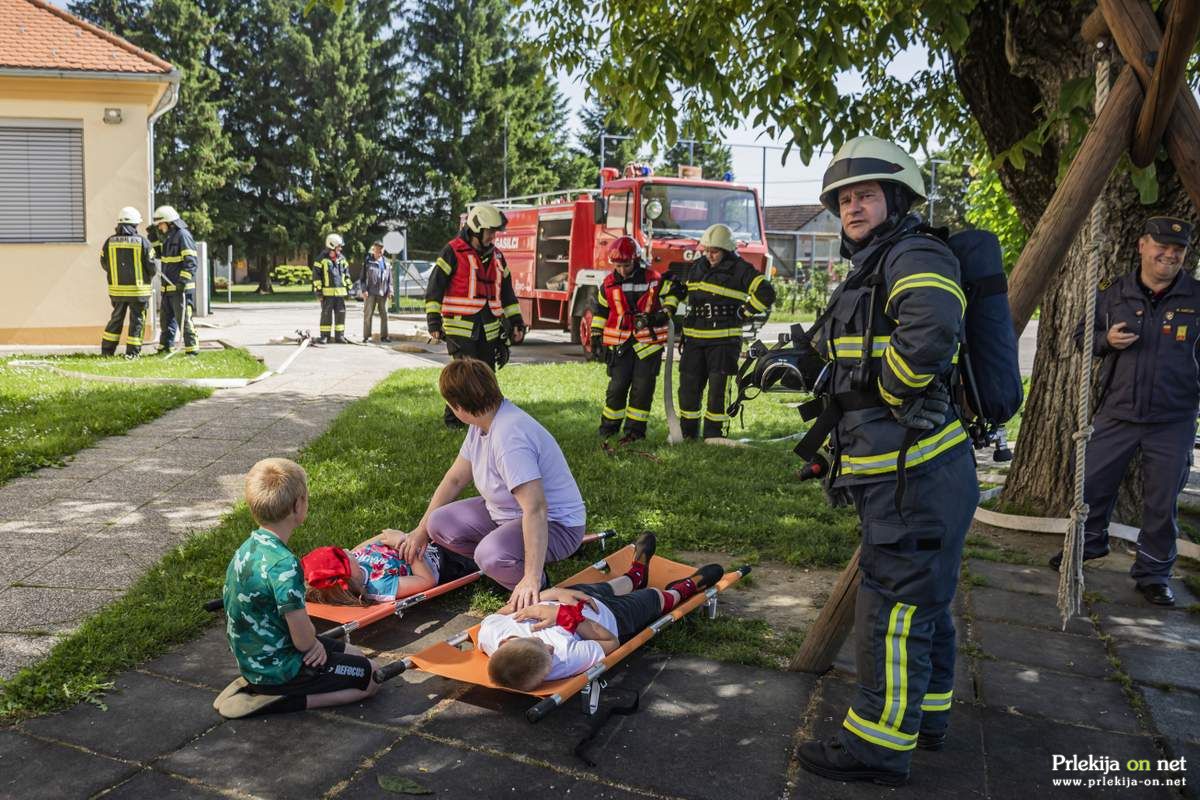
<point x="900" y="454"/>
<point x="1147" y="329"/>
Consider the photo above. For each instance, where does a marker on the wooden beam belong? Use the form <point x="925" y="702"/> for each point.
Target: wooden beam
<point x="1095" y="28"/>
<point x="1136" y="32"/>
<point x="1108" y="137"/>
<point x="1179" y="36"/>
<point x="833" y="625"/>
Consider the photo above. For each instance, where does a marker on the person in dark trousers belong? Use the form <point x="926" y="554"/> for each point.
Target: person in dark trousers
<point x="128" y="262"/>
<point x="376" y="292"/>
<point x="177" y="254"/>
<point x="331" y="283"/>
<point x="470" y="303"/>
<point x="900" y="454"/>
<point x="722" y="290"/>
<point x="629" y="326"/>
<point x="1147" y="329"/>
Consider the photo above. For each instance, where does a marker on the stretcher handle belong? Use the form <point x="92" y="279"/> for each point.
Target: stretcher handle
<point x="538" y="711"/>
<point x="389" y="671"/>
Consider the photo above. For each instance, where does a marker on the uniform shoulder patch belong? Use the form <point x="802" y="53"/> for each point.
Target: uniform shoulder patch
<point x="1105" y="283"/>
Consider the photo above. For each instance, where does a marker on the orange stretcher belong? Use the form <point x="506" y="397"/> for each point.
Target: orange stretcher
<point x="460" y="658"/>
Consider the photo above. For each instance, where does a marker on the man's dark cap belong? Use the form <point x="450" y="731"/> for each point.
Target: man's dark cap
<point x="1168" y="230"/>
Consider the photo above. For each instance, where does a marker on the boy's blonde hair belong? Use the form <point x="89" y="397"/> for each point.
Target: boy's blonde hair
<point x="273" y="486"/>
<point x="521" y="663"/>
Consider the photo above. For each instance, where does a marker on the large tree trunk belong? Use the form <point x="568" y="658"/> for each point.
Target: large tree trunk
<point x="1017" y="57"/>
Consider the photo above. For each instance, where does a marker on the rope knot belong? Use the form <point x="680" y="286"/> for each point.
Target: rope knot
<point x="1083" y="434"/>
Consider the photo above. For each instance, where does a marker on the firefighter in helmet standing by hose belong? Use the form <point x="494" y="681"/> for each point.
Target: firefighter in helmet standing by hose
<point x="900" y="454"/>
<point x="177" y="254"/>
<point x="470" y="303"/>
<point x="331" y="283"/>
<point x="722" y="290"/>
<point x="128" y="260"/>
<point x="629" y="326"/>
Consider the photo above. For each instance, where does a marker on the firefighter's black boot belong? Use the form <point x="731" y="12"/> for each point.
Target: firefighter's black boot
<point x="830" y="760"/>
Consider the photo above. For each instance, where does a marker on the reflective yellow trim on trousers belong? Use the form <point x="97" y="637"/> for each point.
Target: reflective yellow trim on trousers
<point x="904" y="372"/>
<point x="937" y="701"/>
<point x="712" y="333"/>
<point x="928" y="280"/>
<point x="924" y="450"/>
<point x="458" y="326"/>
<point x="877" y="734"/>
<point x="129" y="291"/>
<point x="612" y="413"/>
<point x="895" y="666"/>
<point x="689" y="414"/>
<point x="637" y="414"/>
<point x="646" y="350"/>
<point x="110" y="337"/>
<point x="712" y="288"/>
<point x="713" y="417"/>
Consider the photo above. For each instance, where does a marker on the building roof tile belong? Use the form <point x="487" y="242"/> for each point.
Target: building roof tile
<point x="36" y="35"/>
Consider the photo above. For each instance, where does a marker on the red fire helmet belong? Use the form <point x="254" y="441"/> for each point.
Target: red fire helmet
<point x="623" y="251"/>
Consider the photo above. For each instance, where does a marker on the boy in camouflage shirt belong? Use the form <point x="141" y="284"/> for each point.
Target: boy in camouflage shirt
<point x="269" y="630"/>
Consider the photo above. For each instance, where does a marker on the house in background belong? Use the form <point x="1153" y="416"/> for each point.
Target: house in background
<point x="77" y="112"/>
<point x="802" y="234"/>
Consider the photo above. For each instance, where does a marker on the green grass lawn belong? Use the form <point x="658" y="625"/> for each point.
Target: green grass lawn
<point x="248" y="293"/>
<point x="44" y="417"/>
<point x="227" y="363"/>
<point x="379" y="461"/>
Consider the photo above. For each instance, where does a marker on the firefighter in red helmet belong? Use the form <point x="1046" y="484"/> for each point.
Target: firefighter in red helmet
<point x="629" y="326"/>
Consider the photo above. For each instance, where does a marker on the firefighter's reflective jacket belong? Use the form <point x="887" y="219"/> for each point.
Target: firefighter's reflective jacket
<point x="719" y="298"/>
<point x="331" y="276"/>
<point x="618" y="304"/>
<point x="128" y="261"/>
<point x="468" y="296"/>
<point x="177" y="254"/>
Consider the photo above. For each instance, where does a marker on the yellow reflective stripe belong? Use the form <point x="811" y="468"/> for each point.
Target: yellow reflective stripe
<point x="187" y="252"/>
<point x="929" y="280"/>
<point x="465" y="326"/>
<point x="689" y="414"/>
<point x="937" y="701"/>
<point x="638" y="414"/>
<point x="887" y="396"/>
<point x="129" y="291"/>
<point x="646" y="350"/>
<point x="712" y="288"/>
<point x="712" y="333"/>
<point x="895" y="697"/>
<point x="512" y="311"/>
<point x="754" y="301"/>
<point x="904" y="372"/>
<point x="443" y="266"/>
<point x="670" y="302"/>
<point x="713" y="417"/>
<point x="922" y="451"/>
<point x="433" y="307"/>
<point x="110" y="337"/>
<point x="183" y="273"/>
<point x="851" y="347"/>
<point x="877" y="734"/>
<point x="612" y="413"/>
<point x="598" y="322"/>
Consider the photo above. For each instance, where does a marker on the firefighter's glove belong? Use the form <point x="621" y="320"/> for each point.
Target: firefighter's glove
<point x="924" y="412"/>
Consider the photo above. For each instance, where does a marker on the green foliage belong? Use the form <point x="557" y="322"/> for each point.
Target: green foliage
<point x="292" y="275"/>
<point x="44" y="418"/>
<point x="714" y="159"/>
<point x="599" y="118"/>
<point x="1073" y="110"/>
<point x="988" y="207"/>
<point x="364" y="475"/>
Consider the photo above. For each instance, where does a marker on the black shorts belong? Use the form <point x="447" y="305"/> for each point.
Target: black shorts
<point x="340" y="671"/>
<point x="633" y="611"/>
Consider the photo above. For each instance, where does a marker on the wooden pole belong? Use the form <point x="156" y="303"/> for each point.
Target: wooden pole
<point x="1095" y="28"/>
<point x="1059" y="224"/>
<point x="1178" y="37"/>
<point x="1136" y="32"/>
<point x="833" y="625"/>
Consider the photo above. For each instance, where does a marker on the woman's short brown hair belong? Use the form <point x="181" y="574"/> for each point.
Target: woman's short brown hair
<point x="470" y="385"/>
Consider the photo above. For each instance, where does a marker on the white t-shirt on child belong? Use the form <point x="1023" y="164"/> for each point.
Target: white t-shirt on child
<point x="571" y="655"/>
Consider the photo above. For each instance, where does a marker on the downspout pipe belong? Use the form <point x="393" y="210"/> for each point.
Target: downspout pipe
<point x="165" y="103"/>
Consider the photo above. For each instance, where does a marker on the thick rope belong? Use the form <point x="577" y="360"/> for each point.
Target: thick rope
<point x="1070" y="579"/>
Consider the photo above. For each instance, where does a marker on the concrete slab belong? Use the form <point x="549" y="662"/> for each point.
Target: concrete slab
<point x="1021" y="754"/>
<point x="1020" y="608"/>
<point x="1175" y="713"/>
<point x="452" y="772"/>
<point x="32" y="769"/>
<point x="205" y="660"/>
<point x="36" y="609"/>
<point x="149" y="783"/>
<point x="1118" y="587"/>
<point x="90" y="568"/>
<point x="22" y="650"/>
<point x="1159" y="666"/>
<point x="179" y="713"/>
<point x="320" y="751"/>
<point x="1040" y="648"/>
<point x="1038" y="692"/>
<point x="730" y="713"/>
<point x="1016" y="578"/>
<point x="1150" y="625"/>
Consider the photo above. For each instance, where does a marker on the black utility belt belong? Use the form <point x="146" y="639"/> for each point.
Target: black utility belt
<point x="713" y="311"/>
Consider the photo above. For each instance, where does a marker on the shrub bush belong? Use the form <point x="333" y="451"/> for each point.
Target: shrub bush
<point x="291" y="275"/>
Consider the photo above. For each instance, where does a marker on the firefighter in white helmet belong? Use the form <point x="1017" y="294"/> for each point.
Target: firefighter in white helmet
<point x="179" y="260"/>
<point x="127" y="259"/>
<point x="331" y="284"/>
<point x="722" y="290"/>
<point x="470" y="303"/>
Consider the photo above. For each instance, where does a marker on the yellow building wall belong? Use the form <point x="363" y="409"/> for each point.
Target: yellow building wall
<point x="56" y="293"/>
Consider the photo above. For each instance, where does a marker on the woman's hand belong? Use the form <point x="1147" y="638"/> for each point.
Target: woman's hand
<point x="546" y="616"/>
<point x="413" y="545"/>
<point x="393" y="538"/>
<point x="526" y="593"/>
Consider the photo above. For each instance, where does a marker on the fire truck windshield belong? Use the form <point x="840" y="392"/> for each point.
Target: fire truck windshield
<point x="688" y="210"/>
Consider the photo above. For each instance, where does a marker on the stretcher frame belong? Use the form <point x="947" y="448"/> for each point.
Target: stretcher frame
<point x="452" y="659"/>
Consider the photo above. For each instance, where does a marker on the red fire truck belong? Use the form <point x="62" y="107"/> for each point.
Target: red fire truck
<point x="557" y="243"/>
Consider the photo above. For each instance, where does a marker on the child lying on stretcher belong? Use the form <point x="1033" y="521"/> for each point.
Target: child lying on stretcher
<point x="372" y="572"/>
<point x="581" y="624"/>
